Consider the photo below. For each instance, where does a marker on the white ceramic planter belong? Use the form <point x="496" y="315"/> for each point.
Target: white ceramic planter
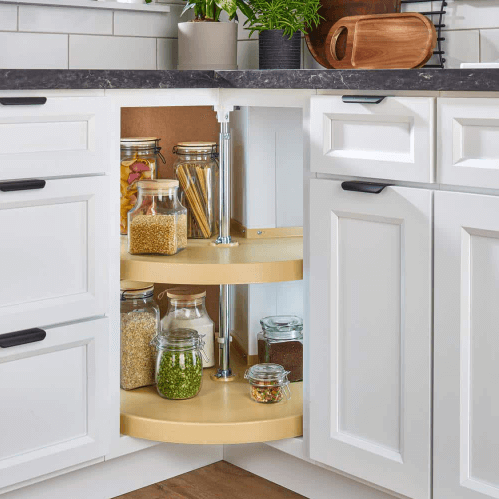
<point x="207" y="45"/>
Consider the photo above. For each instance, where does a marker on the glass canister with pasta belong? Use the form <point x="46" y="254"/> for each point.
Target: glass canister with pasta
<point x="196" y="168"/>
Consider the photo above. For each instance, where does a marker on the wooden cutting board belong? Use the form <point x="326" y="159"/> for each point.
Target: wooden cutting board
<point x="395" y="41"/>
<point x="334" y="10"/>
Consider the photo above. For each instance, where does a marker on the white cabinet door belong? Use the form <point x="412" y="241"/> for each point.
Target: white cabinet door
<point x="65" y="136"/>
<point x="390" y="140"/>
<point x="468" y="146"/>
<point x="466" y="396"/>
<point x="53" y="409"/>
<point x="54" y="253"/>
<point x="370" y="334"/>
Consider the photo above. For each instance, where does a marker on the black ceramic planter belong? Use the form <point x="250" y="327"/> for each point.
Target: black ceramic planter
<point x="279" y="52"/>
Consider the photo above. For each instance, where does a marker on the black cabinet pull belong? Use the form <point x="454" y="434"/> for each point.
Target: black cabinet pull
<point x="23" y="101"/>
<point x="369" y="187"/>
<point x="16" y="338"/>
<point x="362" y="99"/>
<point x="22" y="185"/>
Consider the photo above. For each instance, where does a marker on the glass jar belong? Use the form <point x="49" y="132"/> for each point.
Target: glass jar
<point x="157" y="224"/>
<point x="268" y="383"/>
<point x="138" y="162"/>
<point x="187" y="310"/>
<point x="196" y="168"/>
<point x="179" y="365"/>
<point x="281" y="342"/>
<point x="139" y="325"/>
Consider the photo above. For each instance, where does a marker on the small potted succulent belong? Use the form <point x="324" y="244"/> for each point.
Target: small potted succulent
<point x="280" y="24"/>
<point x="206" y="42"/>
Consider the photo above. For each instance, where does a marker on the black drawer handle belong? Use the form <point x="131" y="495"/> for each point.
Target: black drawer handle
<point x="22" y="185"/>
<point x="23" y="101"/>
<point x="16" y="338"/>
<point x="362" y="99"/>
<point x="369" y="187"/>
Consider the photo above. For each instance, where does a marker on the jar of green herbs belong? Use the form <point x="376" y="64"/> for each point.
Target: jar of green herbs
<point x="179" y="364"/>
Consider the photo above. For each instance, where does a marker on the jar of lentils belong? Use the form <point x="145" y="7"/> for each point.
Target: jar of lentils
<point x="268" y="383"/>
<point x="158" y="222"/>
<point x="196" y="168"/>
<point x="139" y="325"/>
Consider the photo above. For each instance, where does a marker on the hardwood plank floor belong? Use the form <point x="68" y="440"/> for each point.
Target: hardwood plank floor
<point x="220" y="480"/>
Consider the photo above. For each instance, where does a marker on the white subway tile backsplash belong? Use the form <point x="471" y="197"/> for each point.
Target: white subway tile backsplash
<point x="460" y="46"/>
<point x="40" y="19"/>
<point x="33" y="51"/>
<point x="247" y="54"/>
<point x="111" y="52"/>
<point x="148" y="24"/>
<point x="471" y="14"/>
<point x="167" y="53"/>
<point x="489" y="45"/>
<point x="8" y="17"/>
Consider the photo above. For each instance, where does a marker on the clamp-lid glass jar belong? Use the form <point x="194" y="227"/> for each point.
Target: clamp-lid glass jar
<point x="281" y="342"/>
<point x="179" y="365"/>
<point x="139" y="325"/>
<point x="268" y="383"/>
<point x="187" y="310"/>
<point x="138" y="162"/>
<point x="158" y="222"/>
<point x="196" y="168"/>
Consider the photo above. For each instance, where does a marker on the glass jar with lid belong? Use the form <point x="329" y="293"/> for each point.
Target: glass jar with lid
<point x="196" y="168"/>
<point x="157" y="224"/>
<point x="268" y="383"/>
<point x="179" y="364"/>
<point x="139" y="161"/>
<point x="187" y="310"/>
<point x="281" y="342"/>
<point x="139" y="325"/>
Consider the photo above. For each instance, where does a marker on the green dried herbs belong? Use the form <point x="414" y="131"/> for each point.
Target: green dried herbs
<point x="179" y="375"/>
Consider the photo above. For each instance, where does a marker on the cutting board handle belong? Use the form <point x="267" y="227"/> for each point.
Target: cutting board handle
<point x="334" y="41"/>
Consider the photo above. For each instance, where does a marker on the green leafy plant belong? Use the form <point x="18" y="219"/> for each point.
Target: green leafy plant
<point x="289" y="15"/>
<point x="210" y="10"/>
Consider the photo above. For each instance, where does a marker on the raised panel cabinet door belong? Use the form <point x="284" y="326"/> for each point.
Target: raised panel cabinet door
<point x="393" y="139"/>
<point x="468" y="149"/>
<point x="53" y="410"/>
<point x="63" y="137"/>
<point x="370" y="341"/>
<point x="54" y="253"/>
<point x="466" y="351"/>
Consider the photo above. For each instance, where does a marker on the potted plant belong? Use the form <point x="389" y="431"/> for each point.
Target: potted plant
<point x="206" y="42"/>
<point x="280" y="24"/>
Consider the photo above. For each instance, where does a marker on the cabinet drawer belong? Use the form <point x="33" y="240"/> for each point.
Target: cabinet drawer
<point x="53" y="253"/>
<point x="390" y="140"/>
<point x="468" y="149"/>
<point x="53" y="411"/>
<point x="63" y="137"/>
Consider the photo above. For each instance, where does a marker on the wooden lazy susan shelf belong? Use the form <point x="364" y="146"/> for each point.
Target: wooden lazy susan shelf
<point x="252" y="261"/>
<point x="222" y="413"/>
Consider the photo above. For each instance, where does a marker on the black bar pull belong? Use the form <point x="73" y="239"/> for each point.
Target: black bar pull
<point x="362" y="99"/>
<point x="369" y="187"/>
<point x="22" y="185"/>
<point x="16" y="338"/>
<point x="23" y="101"/>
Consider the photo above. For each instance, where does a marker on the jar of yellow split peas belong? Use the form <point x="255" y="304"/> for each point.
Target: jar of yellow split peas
<point x="139" y="158"/>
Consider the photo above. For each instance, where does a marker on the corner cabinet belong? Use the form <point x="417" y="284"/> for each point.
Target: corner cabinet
<point x="466" y="434"/>
<point x="370" y="313"/>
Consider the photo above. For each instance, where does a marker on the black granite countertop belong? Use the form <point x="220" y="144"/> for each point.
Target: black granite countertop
<point x="400" y="79"/>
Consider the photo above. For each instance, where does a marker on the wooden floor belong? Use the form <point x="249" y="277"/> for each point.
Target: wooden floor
<point x="216" y="481"/>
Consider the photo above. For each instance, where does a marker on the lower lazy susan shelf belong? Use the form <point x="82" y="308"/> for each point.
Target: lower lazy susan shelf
<point x="222" y="413"/>
<point x="253" y="261"/>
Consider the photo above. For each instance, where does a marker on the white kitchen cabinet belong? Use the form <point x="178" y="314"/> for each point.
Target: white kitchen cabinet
<point x="63" y="137"/>
<point x="53" y="411"/>
<point x="54" y="253"/>
<point x="393" y="139"/>
<point x="370" y="341"/>
<point x="468" y="148"/>
<point x="466" y="398"/>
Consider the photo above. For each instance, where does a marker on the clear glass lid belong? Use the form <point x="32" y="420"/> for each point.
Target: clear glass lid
<point x="178" y="339"/>
<point x="272" y="374"/>
<point x="282" y="326"/>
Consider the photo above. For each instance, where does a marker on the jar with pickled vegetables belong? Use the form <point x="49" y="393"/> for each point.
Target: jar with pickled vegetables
<point x="268" y="383"/>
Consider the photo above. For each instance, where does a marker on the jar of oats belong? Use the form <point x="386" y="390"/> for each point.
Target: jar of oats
<point x="139" y="325"/>
<point x="157" y="224"/>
